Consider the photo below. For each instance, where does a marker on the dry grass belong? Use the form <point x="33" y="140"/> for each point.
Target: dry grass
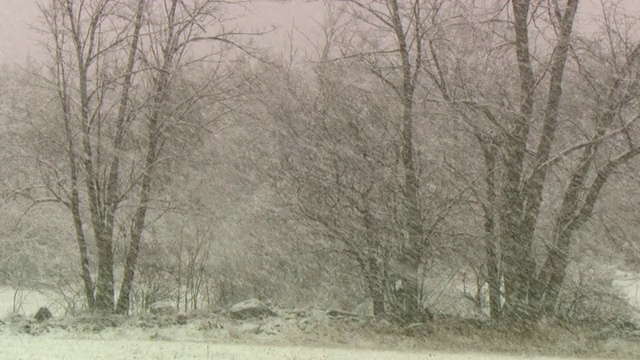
<point x="317" y="330"/>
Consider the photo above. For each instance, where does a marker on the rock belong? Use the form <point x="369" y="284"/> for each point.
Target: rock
<point x="340" y="314"/>
<point x="43" y="314"/>
<point x="163" y="308"/>
<point x="252" y="308"/>
<point x="181" y="319"/>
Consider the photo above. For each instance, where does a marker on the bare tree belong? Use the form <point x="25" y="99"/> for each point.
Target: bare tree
<point x="336" y="169"/>
<point x="523" y="135"/>
<point x="397" y="62"/>
<point x="119" y="71"/>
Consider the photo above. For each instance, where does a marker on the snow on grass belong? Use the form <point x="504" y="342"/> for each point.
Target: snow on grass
<point x="24" y="347"/>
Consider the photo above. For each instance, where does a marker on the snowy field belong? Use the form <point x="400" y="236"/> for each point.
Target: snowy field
<point x="25" y="347"/>
<point x="191" y="342"/>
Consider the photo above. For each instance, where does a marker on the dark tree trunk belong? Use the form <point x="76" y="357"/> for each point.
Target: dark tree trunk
<point x="105" y="291"/>
<point x="74" y="197"/>
<point x="512" y="240"/>
<point x="85" y="57"/>
<point x="124" y="298"/>
<point x="515" y="249"/>
<point x="573" y="215"/>
<point x="417" y="247"/>
<point x="153" y="142"/>
<point x="122" y="306"/>
<point x="407" y="304"/>
<point x="84" y="253"/>
<point x="376" y="284"/>
<point x="552" y="275"/>
<point x="520" y="213"/>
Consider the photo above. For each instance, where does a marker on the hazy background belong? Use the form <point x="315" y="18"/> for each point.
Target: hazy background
<point x="19" y="19"/>
<point x="20" y="41"/>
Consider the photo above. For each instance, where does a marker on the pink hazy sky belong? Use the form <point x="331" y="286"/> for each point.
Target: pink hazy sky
<point x="19" y="40"/>
<point x="19" y="20"/>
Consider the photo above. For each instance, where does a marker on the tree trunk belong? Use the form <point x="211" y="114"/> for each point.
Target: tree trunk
<point x="489" y="149"/>
<point x="376" y="285"/>
<point x="161" y="86"/>
<point x="105" y="282"/>
<point x="74" y="195"/>
<point x="124" y="297"/>
<point x="122" y="307"/>
<point x="553" y="273"/>
<point x="139" y="217"/>
<point x="515" y="248"/>
<point x="407" y="305"/>
<point x="513" y="243"/>
<point x="85" y="270"/>
<point x="84" y="56"/>
<point x="415" y="230"/>
<point x="522" y="207"/>
<point x="573" y="216"/>
<point x="493" y="279"/>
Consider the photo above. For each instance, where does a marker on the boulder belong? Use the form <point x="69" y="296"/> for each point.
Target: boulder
<point x="252" y="308"/>
<point x="334" y="313"/>
<point x="182" y="319"/>
<point x="43" y="314"/>
<point x="163" y="308"/>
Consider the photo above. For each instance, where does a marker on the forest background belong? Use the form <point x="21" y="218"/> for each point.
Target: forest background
<point x="473" y="157"/>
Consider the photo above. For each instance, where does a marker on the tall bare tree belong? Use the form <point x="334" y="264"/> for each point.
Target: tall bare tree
<point x="118" y="71"/>
<point x="336" y="168"/>
<point x="559" y="88"/>
<point x="396" y="60"/>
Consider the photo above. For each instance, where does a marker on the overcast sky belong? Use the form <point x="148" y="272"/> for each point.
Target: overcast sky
<point x="18" y="39"/>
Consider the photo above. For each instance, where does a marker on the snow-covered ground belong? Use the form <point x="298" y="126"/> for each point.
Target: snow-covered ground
<point x="308" y="335"/>
<point x="25" y="347"/>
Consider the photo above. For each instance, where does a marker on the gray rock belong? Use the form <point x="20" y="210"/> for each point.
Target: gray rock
<point x="181" y="319"/>
<point x="341" y="314"/>
<point x="252" y="308"/>
<point x="43" y="314"/>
